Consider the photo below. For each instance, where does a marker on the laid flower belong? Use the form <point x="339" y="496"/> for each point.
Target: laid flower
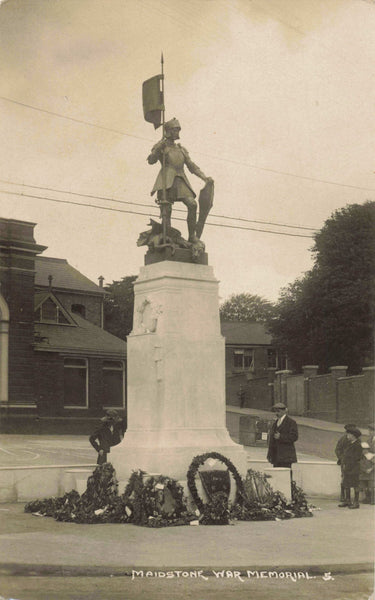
<point x="100" y="511"/>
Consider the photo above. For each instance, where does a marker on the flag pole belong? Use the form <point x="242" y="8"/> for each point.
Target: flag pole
<point x="164" y="200"/>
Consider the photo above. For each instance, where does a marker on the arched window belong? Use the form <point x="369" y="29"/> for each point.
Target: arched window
<point x="80" y="309"/>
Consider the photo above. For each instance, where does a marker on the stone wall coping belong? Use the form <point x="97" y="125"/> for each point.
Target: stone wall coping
<point x="35" y="467"/>
<point x="284" y="372"/>
<point x="300" y="462"/>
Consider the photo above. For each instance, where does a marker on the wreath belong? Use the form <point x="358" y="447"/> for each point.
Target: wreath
<point x="197" y="462"/>
<point x="155" y="501"/>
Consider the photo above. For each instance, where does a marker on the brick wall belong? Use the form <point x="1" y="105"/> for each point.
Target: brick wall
<point x="356" y="399"/>
<point x="20" y="298"/>
<point x="49" y="383"/>
<point x="259" y="394"/>
<point x="49" y="386"/>
<point x="295" y="394"/>
<point x="17" y="263"/>
<point x="320" y="394"/>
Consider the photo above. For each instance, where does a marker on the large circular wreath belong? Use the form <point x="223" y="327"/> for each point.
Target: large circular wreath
<point x="193" y="469"/>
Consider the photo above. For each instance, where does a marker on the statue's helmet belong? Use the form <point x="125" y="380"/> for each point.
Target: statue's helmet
<point x="172" y="124"/>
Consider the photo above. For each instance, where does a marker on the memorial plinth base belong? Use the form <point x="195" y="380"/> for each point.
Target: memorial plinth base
<point x="176" y="374"/>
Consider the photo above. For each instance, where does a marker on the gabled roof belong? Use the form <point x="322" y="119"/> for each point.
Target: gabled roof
<point x="249" y="334"/>
<point x="41" y="297"/>
<point x="84" y="339"/>
<point x="64" y="276"/>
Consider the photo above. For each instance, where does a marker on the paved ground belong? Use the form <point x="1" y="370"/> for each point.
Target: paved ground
<point x="42" y="559"/>
<point x="317" y="442"/>
<point x="329" y="540"/>
<point x="329" y="555"/>
<point x="342" y="587"/>
<point x="20" y="450"/>
<point x="316" y="437"/>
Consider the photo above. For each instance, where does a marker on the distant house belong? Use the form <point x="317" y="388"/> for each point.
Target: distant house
<point x="59" y="368"/>
<point x="251" y="361"/>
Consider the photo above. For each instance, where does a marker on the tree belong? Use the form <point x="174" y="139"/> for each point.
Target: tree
<point x="119" y="306"/>
<point x="246" y="307"/>
<point x="327" y="317"/>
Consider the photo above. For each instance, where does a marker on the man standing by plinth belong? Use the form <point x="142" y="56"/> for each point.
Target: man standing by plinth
<point x="283" y="434"/>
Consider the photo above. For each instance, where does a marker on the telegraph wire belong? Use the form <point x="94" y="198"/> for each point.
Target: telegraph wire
<point x="60" y="116"/>
<point x="237" y="162"/>
<point x="37" y="197"/>
<point x="228" y="160"/>
<point x="106" y="198"/>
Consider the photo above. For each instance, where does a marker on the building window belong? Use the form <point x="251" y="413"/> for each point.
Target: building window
<point x="243" y="359"/>
<point x="272" y="358"/>
<point x="49" y="312"/>
<point x="113" y="383"/>
<point x="79" y="309"/>
<point x="75" y="383"/>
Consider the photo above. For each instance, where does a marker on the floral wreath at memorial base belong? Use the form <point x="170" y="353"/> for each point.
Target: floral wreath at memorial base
<point x="158" y="501"/>
<point x="197" y="462"/>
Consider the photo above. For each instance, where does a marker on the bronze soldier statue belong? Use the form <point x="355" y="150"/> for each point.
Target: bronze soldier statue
<point x="171" y="178"/>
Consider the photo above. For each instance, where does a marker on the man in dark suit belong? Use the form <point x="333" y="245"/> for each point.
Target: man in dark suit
<point x="283" y="434"/>
<point x="110" y="433"/>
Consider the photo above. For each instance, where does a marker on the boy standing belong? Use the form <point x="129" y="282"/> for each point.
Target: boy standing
<point x="350" y="461"/>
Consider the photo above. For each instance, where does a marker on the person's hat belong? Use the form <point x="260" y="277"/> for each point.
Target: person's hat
<point x="350" y="426"/>
<point x="172" y="124"/>
<point x="279" y="405"/>
<point x="113" y="414"/>
<point x="110" y="415"/>
<point x="365" y="445"/>
<point x="355" y="432"/>
<point x="371" y="426"/>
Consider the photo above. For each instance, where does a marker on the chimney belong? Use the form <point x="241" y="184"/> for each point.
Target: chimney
<point x="101" y="279"/>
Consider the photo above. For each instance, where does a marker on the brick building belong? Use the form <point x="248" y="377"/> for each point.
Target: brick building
<point x="58" y="367"/>
<point x="251" y="361"/>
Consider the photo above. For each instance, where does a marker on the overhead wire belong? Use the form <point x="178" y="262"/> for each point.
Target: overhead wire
<point x="60" y="116"/>
<point x="106" y="198"/>
<point x="220" y="158"/>
<point x="108" y="208"/>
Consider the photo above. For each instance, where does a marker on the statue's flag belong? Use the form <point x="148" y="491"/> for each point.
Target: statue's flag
<point x="153" y="101"/>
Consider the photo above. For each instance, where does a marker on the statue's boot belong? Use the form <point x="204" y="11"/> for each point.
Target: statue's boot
<point x="191" y="223"/>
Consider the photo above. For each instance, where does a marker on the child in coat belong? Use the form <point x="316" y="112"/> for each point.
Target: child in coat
<point x="350" y="461"/>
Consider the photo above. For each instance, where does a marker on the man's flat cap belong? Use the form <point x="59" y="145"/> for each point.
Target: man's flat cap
<point x="279" y="405"/>
<point x="356" y="432"/>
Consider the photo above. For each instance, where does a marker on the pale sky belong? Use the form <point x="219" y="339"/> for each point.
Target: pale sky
<point x="275" y="99"/>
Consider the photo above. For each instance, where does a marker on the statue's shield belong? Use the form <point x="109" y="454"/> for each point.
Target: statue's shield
<point x="206" y="200"/>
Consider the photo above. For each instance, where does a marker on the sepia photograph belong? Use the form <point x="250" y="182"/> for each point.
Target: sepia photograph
<point x="187" y="299"/>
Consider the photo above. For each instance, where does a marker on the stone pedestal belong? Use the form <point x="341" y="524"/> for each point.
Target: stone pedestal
<point x="280" y="480"/>
<point x="176" y="374"/>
